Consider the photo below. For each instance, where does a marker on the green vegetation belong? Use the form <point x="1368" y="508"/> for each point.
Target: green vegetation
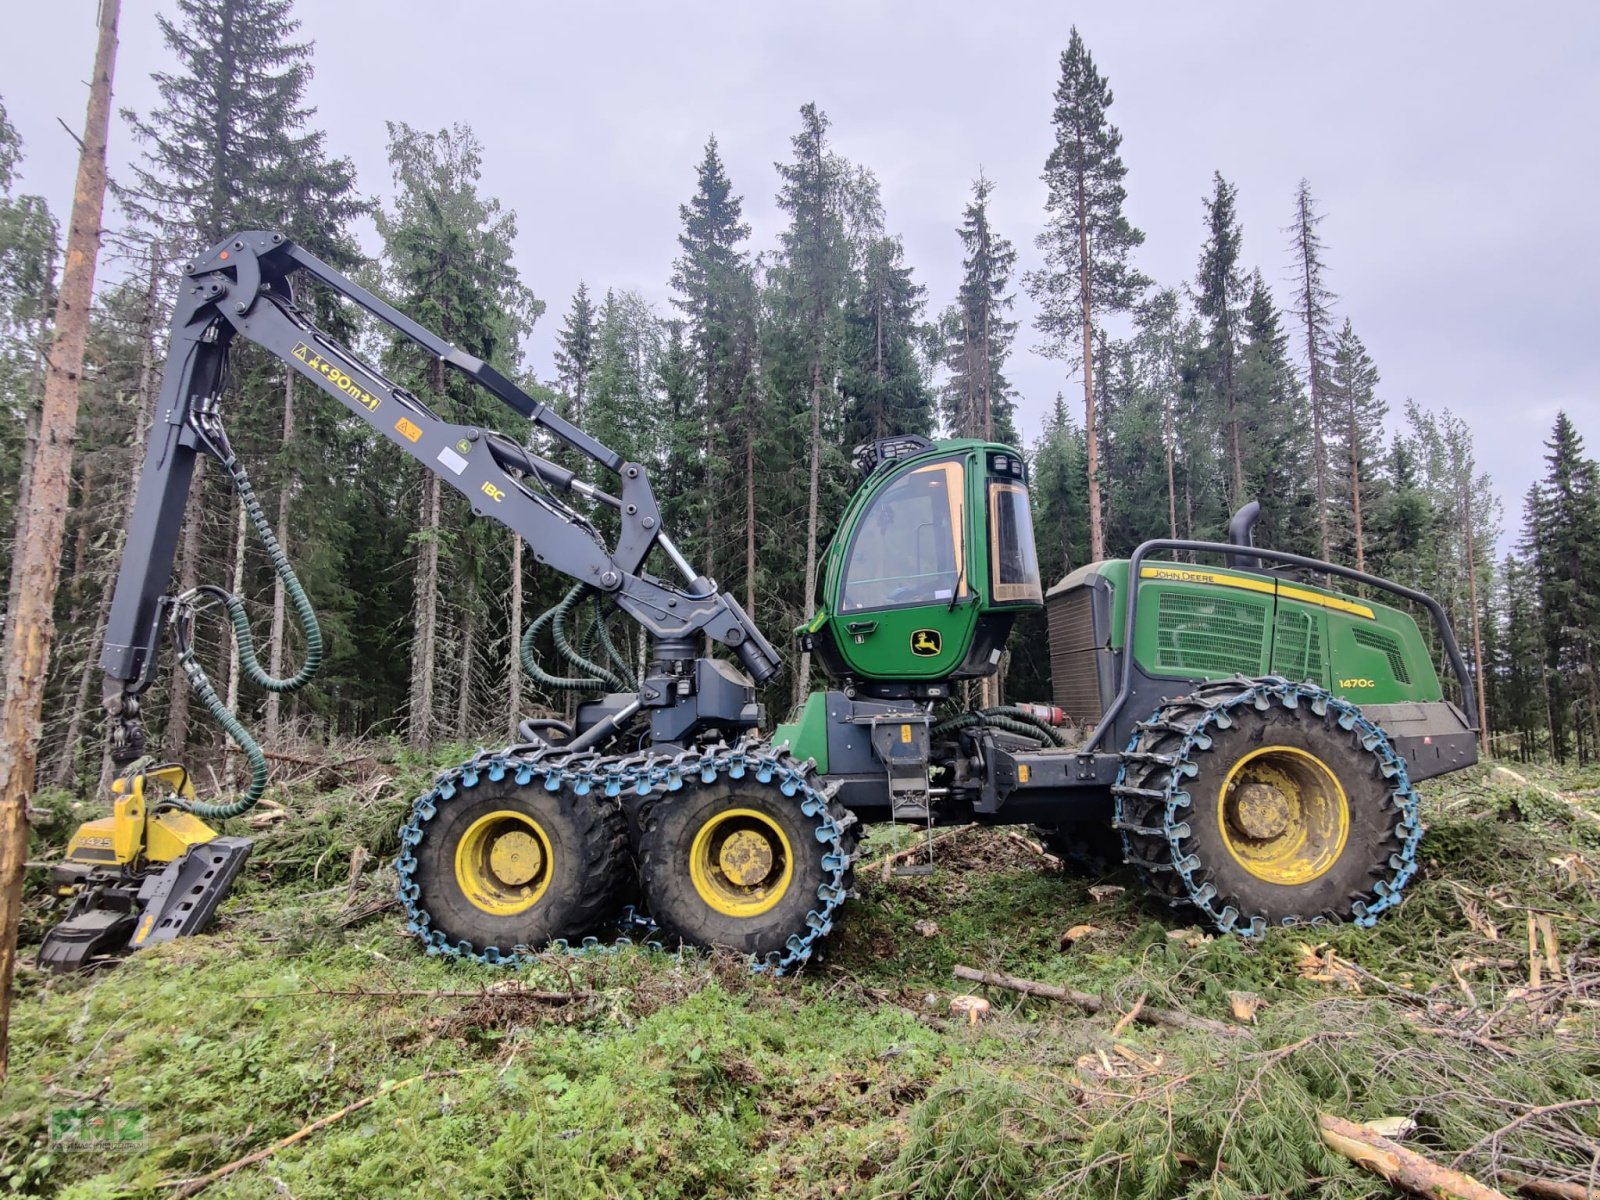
<point x="688" y="1076"/>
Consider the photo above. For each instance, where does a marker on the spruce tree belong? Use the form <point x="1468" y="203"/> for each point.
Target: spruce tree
<point x="1087" y="241"/>
<point x="575" y="353"/>
<point x="978" y="399"/>
<point x="1219" y="297"/>
<point x="447" y="252"/>
<point x="1276" y="447"/>
<point x="1313" y="310"/>
<point x="882" y="379"/>
<point x="1356" y="434"/>
<point x="714" y="288"/>
<point x="1562" y="541"/>
<point x="811" y="280"/>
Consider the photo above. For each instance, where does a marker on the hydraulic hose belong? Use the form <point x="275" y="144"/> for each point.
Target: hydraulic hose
<point x="561" y="683"/>
<point x="183" y="614"/>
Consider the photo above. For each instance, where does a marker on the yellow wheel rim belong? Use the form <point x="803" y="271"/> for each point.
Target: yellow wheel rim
<point x="504" y="863"/>
<point x="1283" y="815"/>
<point x="740" y="862"/>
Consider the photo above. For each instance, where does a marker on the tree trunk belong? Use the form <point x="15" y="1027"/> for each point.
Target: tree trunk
<point x="1097" y="537"/>
<point x="80" y="703"/>
<point x="76" y="584"/>
<point x="426" y="610"/>
<point x="30" y="439"/>
<point x="514" y="669"/>
<point x="142" y="416"/>
<point x="1172" y="489"/>
<point x="1355" y="488"/>
<point x="1477" y="636"/>
<point x="802" y="679"/>
<point x="176" y="740"/>
<point x="1319" y="451"/>
<point x="31" y="629"/>
<point x="750" y="519"/>
<point x="469" y="633"/>
<point x="279" y="600"/>
<point x="236" y="586"/>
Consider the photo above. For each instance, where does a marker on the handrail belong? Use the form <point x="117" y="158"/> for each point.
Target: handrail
<point x="1125" y="687"/>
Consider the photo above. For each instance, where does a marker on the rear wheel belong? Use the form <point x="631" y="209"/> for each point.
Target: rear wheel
<point x="741" y="863"/>
<point x="1268" y="803"/>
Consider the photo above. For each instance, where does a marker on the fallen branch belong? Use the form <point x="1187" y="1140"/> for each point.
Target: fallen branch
<point x="914" y="849"/>
<point x="1170" y="1017"/>
<point x="193" y="1187"/>
<point x="1548" y="1189"/>
<point x="1542" y="1110"/>
<point x="1402" y="1167"/>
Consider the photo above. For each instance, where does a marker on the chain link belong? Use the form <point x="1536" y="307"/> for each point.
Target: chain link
<point x="1217" y="703"/>
<point x="652" y="776"/>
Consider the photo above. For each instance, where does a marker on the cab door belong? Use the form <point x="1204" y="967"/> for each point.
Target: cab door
<point x="900" y="604"/>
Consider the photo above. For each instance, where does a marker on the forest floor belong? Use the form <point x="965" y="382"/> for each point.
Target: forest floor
<point x="638" y="1073"/>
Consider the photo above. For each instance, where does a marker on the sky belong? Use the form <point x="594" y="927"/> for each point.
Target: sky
<point x="1452" y="147"/>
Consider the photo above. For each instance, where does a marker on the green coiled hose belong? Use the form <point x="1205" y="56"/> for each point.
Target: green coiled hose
<point x="244" y="641"/>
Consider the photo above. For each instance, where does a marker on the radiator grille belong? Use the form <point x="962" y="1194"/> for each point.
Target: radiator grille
<point x="1296" y="645"/>
<point x="1074" y="657"/>
<point x="1387" y="645"/>
<point x="1209" y="635"/>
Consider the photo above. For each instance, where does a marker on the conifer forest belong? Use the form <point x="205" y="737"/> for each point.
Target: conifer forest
<point x="744" y="382"/>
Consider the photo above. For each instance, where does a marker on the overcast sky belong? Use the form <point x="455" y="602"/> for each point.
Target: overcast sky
<point x="1453" y="147"/>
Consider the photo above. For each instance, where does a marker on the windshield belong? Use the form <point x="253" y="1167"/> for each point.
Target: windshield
<point x="907" y="548"/>
<point x="1015" y="560"/>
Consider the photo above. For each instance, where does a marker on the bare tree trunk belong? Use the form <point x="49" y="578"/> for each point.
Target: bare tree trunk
<point x="426" y="608"/>
<point x="750" y="519"/>
<point x="275" y="645"/>
<point x="176" y="739"/>
<point x="1355" y="489"/>
<point x="1097" y="537"/>
<point x="514" y="673"/>
<point x="80" y="703"/>
<point x="469" y="634"/>
<point x="1319" y="450"/>
<point x="1172" y="489"/>
<point x="77" y="584"/>
<point x="31" y="628"/>
<point x="802" y="679"/>
<point x="1477" y="635"/>
<point x="236" y="586"/>
<point x="30" y="437"/>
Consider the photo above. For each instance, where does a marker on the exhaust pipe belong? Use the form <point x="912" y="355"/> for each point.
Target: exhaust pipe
<point x="1241" y="532"/>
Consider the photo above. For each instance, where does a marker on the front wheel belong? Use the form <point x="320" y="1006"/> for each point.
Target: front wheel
<point x="1268" y="803"/>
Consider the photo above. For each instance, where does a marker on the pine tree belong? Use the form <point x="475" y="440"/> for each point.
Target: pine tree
<point x="978" y="399"/>
<point x="1087" y="242"/>
<point x="1313" y="308"/>
<point x="1356" y="434"/>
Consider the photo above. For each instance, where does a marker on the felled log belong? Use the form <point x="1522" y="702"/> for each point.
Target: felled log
<point x="1405" y="1169"/>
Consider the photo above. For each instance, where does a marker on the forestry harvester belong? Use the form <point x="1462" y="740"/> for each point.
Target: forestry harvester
<point x="1248" y="737"/>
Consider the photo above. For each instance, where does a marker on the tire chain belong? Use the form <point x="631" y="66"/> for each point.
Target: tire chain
<point x="652" y="776"/>
<point x="1149" y="798"/>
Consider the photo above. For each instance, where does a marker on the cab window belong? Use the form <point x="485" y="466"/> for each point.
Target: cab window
<point x="907" y="548"/>
<point x="1015" y="560"/>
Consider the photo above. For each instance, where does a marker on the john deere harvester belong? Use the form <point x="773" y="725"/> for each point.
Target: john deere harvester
<point x="1251" y="736"/>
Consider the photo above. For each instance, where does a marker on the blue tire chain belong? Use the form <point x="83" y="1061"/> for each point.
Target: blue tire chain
<point x="645" y="775"/>
<point x="1212" y="707"/>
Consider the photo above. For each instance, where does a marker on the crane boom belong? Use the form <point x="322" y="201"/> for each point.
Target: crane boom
<point x="242" y="286"/>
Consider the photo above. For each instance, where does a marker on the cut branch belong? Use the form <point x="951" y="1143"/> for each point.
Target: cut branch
<point x="1170" y="1017"/>
<point x="1405" y="1169"/>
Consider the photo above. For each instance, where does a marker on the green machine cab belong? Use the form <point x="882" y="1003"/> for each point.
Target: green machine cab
<point x="933" y="562"/>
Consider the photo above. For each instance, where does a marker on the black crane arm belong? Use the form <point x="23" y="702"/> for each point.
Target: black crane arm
<point x="242" y="286"/>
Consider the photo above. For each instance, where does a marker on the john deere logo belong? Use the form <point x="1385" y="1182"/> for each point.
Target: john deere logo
<point x="925" y="642"/>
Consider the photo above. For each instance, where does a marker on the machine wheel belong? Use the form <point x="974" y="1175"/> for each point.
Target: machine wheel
<point x="504" y="866"/>
<point x="752" y="865"/>
<point x="1091" y="849"/>
<point x="1268" y="803"/>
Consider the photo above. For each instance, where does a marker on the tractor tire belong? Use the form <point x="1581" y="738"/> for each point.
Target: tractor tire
<point x="504" y="867"/>
<point x="1087" y="849"/>
<point x="738" y="864"/>
<point x="1264" y="803"/>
